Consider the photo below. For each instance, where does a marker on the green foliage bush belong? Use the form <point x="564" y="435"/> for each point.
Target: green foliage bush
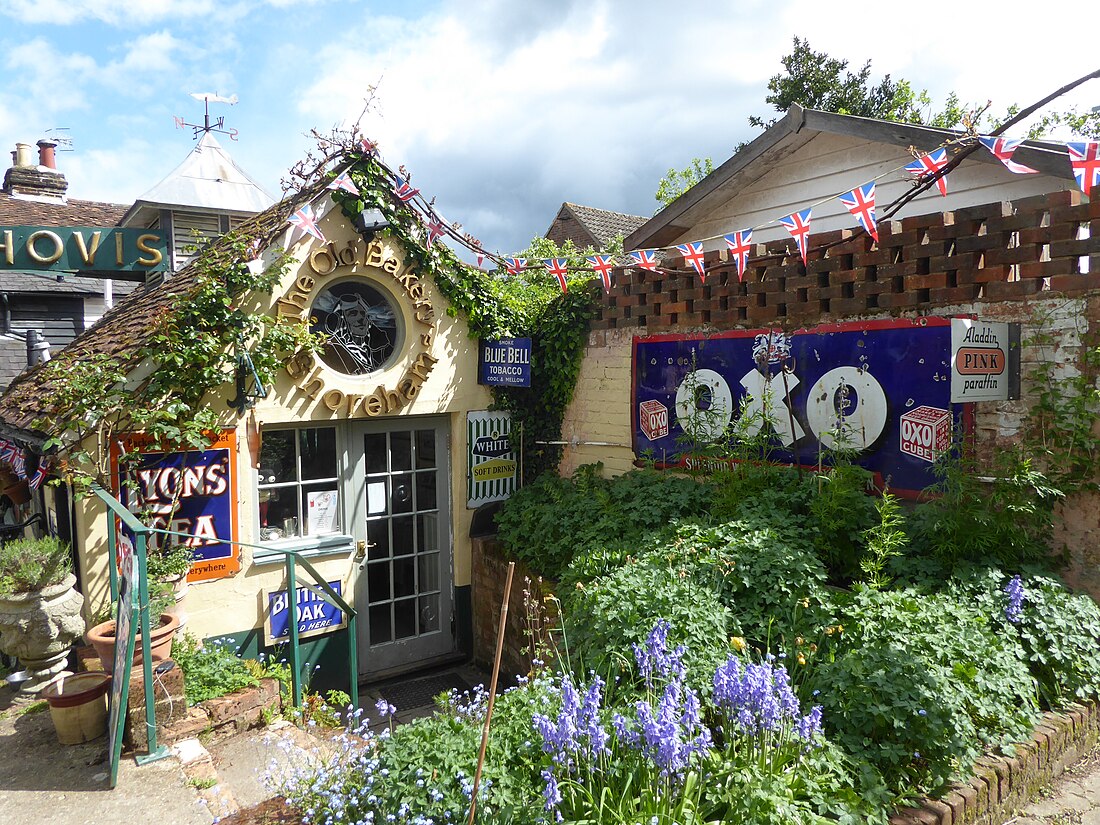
<point x="606" y="616"/>
<point x="28" y="565"/>
<point x="549" y="521"/>
<point x="918" y="683"/>
<point x="211" y="670"/>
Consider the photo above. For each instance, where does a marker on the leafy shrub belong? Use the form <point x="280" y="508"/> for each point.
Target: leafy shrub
<point x="211" y="670"/>
<point x="919" y="683"/>
<point x="764" y="575"/>
<point x="547" y="522"/>
<point x="28" y="565"/>
<point x="604" y="618"/>
<point x="841" y="512"/>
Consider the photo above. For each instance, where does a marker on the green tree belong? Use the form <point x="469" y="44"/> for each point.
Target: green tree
<point x="677" y="181"/>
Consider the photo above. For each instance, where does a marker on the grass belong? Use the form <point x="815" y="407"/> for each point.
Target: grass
<point x="202" y="782"/>
<point x="34" y="707"/>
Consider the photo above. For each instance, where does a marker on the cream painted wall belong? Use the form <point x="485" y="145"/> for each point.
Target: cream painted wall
<point x="234" y="603"/>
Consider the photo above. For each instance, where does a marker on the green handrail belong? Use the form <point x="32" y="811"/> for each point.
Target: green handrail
<point x="292" y="558"/>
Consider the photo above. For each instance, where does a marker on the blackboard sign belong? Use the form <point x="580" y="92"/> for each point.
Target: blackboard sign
<point x="125" y="636"/>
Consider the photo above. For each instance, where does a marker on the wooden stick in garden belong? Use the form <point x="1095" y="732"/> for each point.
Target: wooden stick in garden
<point x="492" y="688"/>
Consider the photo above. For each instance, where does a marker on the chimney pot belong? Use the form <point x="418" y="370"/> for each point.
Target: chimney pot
<point x="46" y="153"/>
<point x="23" y="155"/>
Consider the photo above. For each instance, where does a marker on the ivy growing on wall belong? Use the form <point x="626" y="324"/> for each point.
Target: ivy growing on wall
<point x="497" y="306"/>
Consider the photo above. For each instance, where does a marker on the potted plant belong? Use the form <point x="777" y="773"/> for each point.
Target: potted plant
<point x="169" y="566"/>
<point x="39" y="607"/>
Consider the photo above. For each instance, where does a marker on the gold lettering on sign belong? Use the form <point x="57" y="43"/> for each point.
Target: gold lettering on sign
<point x="118" y="249"/>
<point x="35" y="255"/>
<point x="88" y="255"/>
<point x="313" y="385"/>
<point x="299" y="364"/>
<point x="316" y="255"/>
<point x="155" y="255"/>
<point x="7" y="248"/>
<point x="333" y="399"/>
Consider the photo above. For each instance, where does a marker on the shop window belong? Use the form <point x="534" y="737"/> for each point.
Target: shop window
<point x="359" y="325"/>
<point x="299" y="483"/>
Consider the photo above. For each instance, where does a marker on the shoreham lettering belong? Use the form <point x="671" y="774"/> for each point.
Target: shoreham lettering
<point x="309" y="377"/>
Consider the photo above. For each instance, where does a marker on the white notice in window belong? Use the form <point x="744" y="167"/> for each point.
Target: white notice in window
<point x="376" y="497"/>
<point x="322" y="511"/>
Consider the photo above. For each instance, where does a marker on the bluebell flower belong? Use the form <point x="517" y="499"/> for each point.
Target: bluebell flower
<point x="1015" y="592"/>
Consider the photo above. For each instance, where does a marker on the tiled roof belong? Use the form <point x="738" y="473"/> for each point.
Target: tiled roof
<point x="16" y="211"/>
<point x="36" y="282"/>
<point x="587" y="226"/>
<point x="123" y="331"/>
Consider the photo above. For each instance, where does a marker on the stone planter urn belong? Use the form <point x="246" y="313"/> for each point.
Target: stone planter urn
<point x="39" y="628"/>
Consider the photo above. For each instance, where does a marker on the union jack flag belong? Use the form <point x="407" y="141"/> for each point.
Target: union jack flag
<point x="798" y="224"/>
<point x="40" y="473"/>
<point x="861" y="203"/>
<point x="7" y="451"/>
<point x="19" y="463"/>
<point x="930" y="164"/>
<point x="435" y="230"/>
<point x="693" y="254"/>
<point x="1085" y="159"/>
<point x="558" y="267"/>
<point x="404" y="190"/>
<point x="514" y="265"/>
<point x="645" y="259"/>
<point x="602" y="266"/>
<point x="740" y="245"/>
<point x="305" y="220"/>
<point x="480" y="258"/>
<point x="343" y="181"/>
<point x="1002" y="149"/>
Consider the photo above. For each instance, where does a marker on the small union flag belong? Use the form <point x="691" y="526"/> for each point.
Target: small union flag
<point x="558" y="267"/>
<point x="930" y="164"/>
<point x="305" y="220"/>
<point x="436" y="230"/>
<point x="404" y="190"/>
<point x="1085" y="159"/>
<point x="40" y="473"/>
<point x="369" y="147"/>
<point x="19" y="463"/>
<point x="515" y="265"/>
<point x="602" y="266"/>
<point x="861" y="203"/>
<point x="1002" y="149"/>
<point x="344" y="182"/>
<point x="693" y="254"/>
<point x="740" y="245"/>
<point x="645" y="259"/>
<point x="798" y="224"/>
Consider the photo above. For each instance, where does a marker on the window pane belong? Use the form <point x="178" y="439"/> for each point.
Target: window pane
<point x="428" y="567"/>
<point x="321" y="506"/>
<point x="378" y="539"/>
<point x="404" y="618"/>
<point x="401" y="451"/>
<point x="376" y="497"/>
<point x="318" y="452"/>
<point x="277" y="457"/>
<point x="425" y="490"/>
<point x="404" y="581"/>
<point x="374" y="445"/>
<point x="378" y="582"/>
<point x="277" y="506"/>
<point x="381" y="629"/>
<point x="429" y="614"/>
<point x="425" y="449"/>
<point x="403" y="536"/>
<point x="427" y="532"/>
<point x="401" y="495"/>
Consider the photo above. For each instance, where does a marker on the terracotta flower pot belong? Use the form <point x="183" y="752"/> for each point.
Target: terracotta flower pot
<point x="102" y="638"/>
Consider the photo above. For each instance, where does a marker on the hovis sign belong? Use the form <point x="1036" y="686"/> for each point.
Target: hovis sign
<point x="81" y="248"/>
<point x="980" y="369"/>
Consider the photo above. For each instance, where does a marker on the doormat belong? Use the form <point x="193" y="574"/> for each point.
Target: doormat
<point x="420" y="692"/>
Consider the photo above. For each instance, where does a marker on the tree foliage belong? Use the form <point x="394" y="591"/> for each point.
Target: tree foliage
<point x="677" y="181"/>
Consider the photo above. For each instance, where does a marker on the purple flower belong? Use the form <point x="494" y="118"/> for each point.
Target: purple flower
<point x="1015" y="592"/>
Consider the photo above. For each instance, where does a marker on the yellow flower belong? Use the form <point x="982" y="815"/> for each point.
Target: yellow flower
<point x="738" y="643"/>
<point x="798" y="641"/>
<point x="801" y="659"/>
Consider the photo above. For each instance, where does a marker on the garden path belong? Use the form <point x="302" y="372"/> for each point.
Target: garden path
<point x="1073" y="799"/>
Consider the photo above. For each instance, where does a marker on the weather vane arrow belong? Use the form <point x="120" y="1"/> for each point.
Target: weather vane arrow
<point x="216" y="126"/>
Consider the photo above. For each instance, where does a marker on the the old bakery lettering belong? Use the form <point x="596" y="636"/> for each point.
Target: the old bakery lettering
<point x="75" y="248"/>
<point x="327" y="259"/>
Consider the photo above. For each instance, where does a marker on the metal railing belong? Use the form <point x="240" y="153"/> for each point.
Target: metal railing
<point x="292" y="560"/>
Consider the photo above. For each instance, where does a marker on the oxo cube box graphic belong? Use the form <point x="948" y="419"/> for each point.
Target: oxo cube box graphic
<point x="653" y="419"/>
<point x="925" y="432"/>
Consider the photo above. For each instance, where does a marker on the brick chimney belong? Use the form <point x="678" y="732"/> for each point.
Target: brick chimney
<point x="40" y="182"/>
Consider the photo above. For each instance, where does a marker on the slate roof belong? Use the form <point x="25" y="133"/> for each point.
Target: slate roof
<point x="587" y="226"/>
<point x="39" y="282"/>
<point x="25" y="211"/>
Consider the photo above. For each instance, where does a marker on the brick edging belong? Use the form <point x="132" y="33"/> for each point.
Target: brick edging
<point x="1002" y="785"/>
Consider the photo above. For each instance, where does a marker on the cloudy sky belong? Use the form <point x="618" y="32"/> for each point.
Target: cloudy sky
<point x="501" y="109"/>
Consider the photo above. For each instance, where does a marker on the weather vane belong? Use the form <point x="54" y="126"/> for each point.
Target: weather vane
<point x="216" y="126"/>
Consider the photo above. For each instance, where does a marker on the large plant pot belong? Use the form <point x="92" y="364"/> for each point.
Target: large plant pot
<point x="78" y="706"/>
<point x="40" y="628"/>
<point x="102" y="638"/>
